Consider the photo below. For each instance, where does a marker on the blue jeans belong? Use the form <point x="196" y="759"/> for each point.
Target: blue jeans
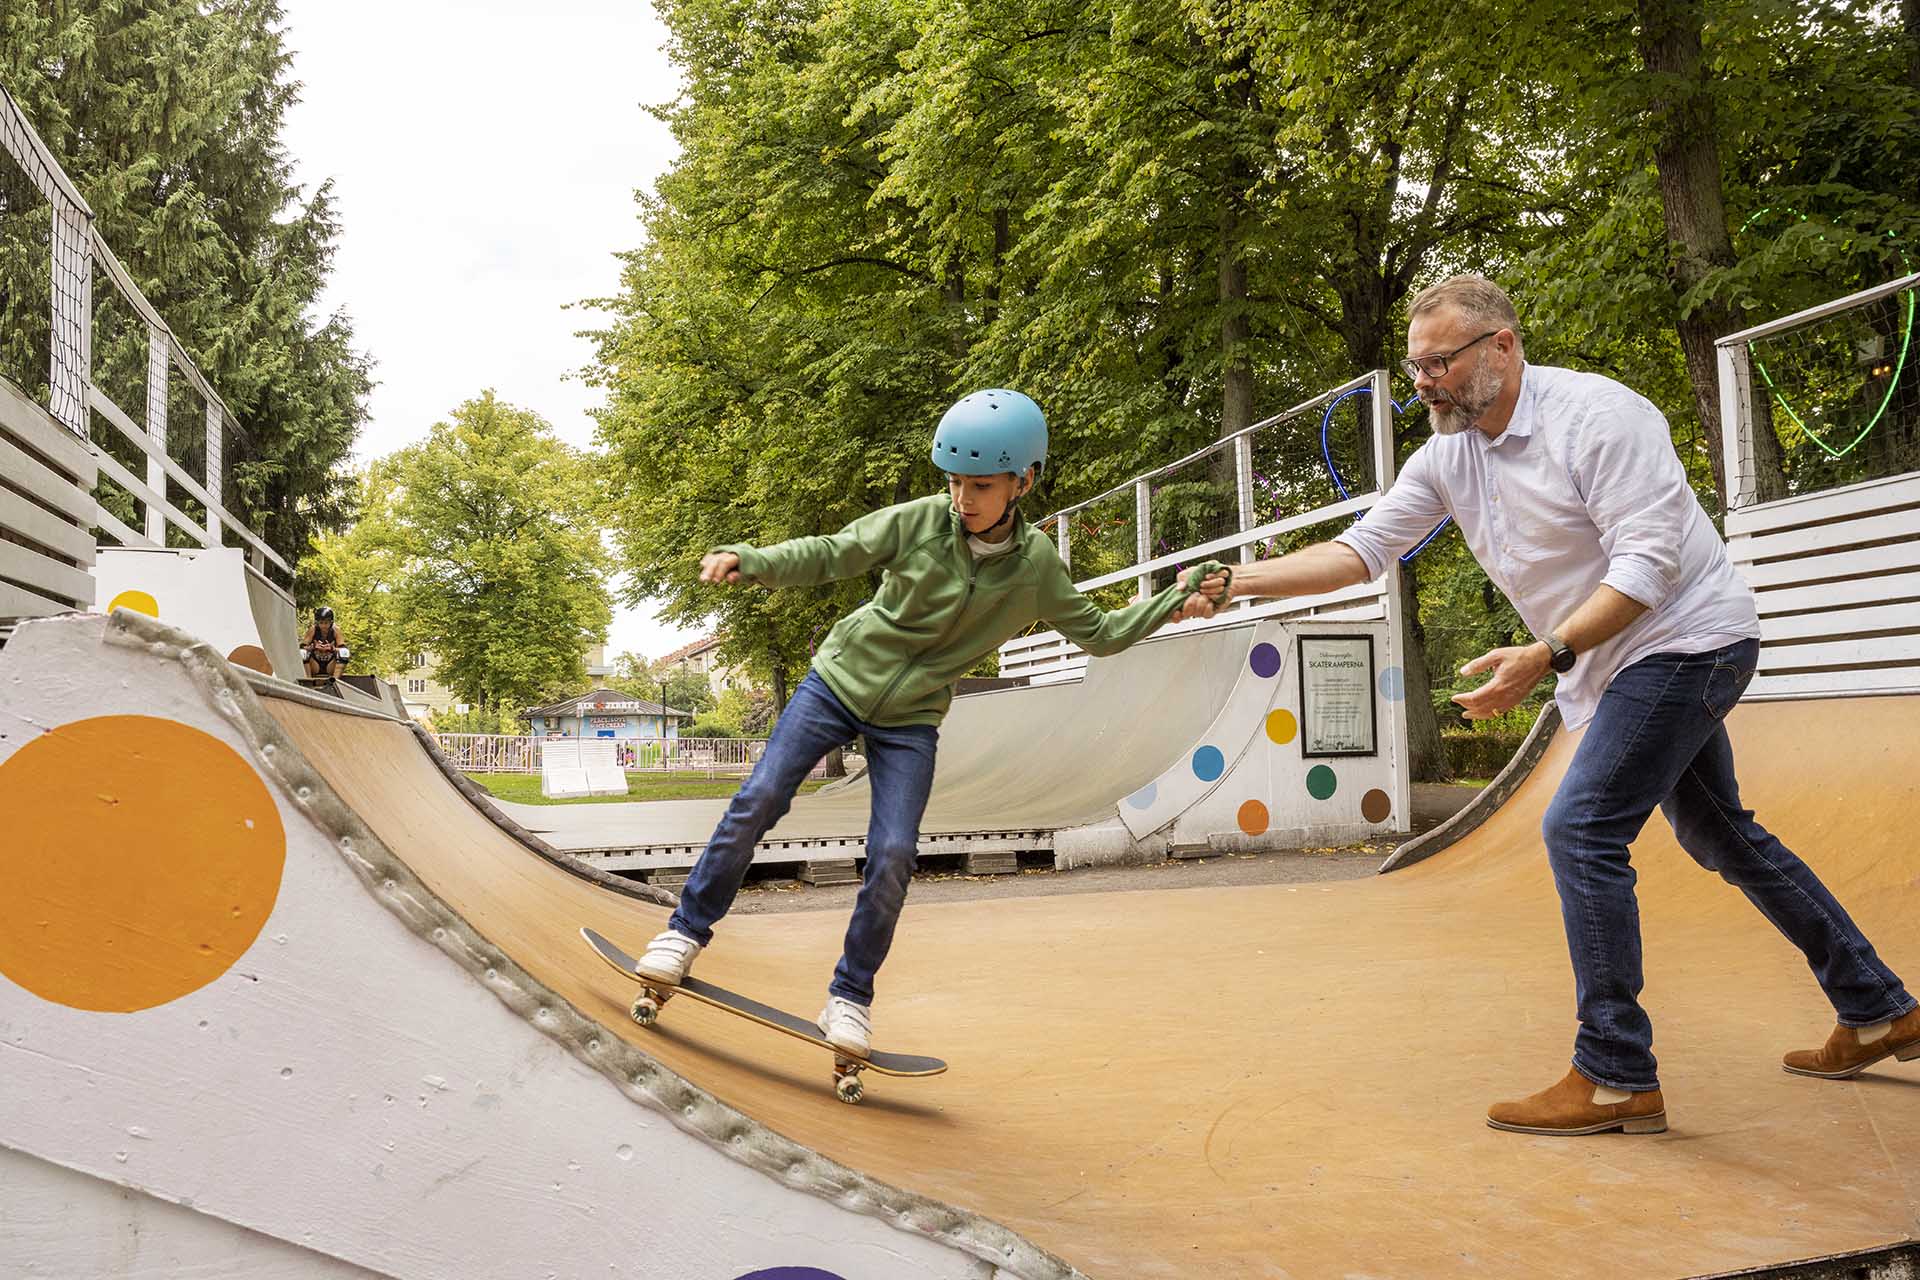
<point x="1658" y="739"/>
<point x="900" y="775"/>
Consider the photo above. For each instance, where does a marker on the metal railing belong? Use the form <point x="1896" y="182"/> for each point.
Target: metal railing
<point x="76" y="400"/>
<point x="1243" y="497"/>
<point x="1822" y="399"/>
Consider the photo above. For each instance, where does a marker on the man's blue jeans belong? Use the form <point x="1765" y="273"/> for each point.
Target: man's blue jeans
<point x="1658" y="739"/>
<point x="900" y="775"/>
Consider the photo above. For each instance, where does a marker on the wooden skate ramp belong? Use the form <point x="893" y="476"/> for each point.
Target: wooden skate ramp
<point x="1016" y="760"/>
<point x="1292" y="1080"/>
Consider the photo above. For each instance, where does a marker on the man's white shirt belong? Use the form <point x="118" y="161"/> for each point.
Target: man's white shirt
<point x="1582" y="488"/>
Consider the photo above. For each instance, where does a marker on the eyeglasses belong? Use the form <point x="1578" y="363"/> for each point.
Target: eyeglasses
<point x="1436" y="366"/>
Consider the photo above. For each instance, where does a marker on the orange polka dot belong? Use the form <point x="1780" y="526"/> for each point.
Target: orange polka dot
<point x="138" y="601"/>
<point x="1253" y="818"/>
<point x="1281" y="726"/>
<point x="253" y="658"/>
<point x="142" y="859"/>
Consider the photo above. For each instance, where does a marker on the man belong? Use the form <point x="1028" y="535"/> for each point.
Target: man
<point x="1568" y="491"/>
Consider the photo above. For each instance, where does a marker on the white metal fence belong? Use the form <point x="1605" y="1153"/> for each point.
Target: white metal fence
<point x="1244" y="498"/>
<point x="1821" y="426"/>
<point x="46" y="567"/>
<point x="713" y="757"/>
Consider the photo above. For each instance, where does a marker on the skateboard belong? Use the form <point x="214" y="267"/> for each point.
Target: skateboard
<point x="847" y="1085"/>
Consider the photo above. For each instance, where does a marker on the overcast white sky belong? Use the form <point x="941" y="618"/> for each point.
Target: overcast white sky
<point x="485" y="156"/>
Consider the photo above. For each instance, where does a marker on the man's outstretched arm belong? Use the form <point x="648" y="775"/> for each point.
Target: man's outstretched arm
<point x="1322" y="567"/>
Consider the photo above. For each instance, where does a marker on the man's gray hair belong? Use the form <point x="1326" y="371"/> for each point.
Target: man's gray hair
<point x="1477" y="298"/>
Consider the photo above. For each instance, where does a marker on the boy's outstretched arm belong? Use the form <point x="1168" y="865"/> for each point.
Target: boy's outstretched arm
<point x="867" y="543"/>
<point x="1102" y="632"/>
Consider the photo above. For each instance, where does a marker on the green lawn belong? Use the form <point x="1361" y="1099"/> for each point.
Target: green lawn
<point x="524" y="788"/>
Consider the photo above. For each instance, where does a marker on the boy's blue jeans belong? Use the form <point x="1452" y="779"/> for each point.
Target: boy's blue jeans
<point x="1658" y="739"/>
<point x="900" y="774"/>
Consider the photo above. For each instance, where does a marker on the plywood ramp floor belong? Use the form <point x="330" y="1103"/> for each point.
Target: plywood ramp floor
<point x="1292" y="1080"/>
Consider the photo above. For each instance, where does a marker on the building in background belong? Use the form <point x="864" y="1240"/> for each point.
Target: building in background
<point x="605" y="713"/>
<point x="422" y="694"/>
<point x="596" y="660"/>
<point x="703" y="658"/>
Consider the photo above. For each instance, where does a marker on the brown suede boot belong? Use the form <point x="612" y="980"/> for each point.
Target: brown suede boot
<point x="1568" y="1109"/>
<point x="1844" y="1056"/>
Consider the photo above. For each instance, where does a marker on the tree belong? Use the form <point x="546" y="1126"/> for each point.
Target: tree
<point x="167" y="116"/>
<point x="356" y="573"/>
<point x="486" y="536"/>
<point x="683" y="688"/>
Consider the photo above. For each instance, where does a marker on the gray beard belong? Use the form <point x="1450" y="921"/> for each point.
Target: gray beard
<point x="1454" y="417"/>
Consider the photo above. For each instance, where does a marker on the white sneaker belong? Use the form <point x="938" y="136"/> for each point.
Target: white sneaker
<point x="847" y="1026"/>
<point x="667" y="958"/>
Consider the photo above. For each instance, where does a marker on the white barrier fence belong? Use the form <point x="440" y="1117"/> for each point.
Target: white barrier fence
<point x="713" y="757"/>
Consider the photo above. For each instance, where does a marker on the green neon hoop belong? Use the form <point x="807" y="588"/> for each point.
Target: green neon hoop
<point x="1893" y="382"/>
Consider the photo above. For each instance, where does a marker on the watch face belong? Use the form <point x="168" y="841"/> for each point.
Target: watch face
<point x="1562" y="659"/>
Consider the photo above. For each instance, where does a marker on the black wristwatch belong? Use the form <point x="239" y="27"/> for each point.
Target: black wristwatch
<point x="1563" y="657"/>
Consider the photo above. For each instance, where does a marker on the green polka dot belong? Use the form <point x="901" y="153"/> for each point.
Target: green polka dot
<point x="1320" y="782"/>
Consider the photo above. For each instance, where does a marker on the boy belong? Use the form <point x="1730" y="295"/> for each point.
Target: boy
<point x="963" y="572"/>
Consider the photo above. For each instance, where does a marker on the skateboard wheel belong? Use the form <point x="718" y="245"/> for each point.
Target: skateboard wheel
<point x="849" y="1089"/>
<point x="645" y="1010"/>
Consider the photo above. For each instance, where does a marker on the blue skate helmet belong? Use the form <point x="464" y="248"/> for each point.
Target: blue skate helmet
<point x="991" y="431"/>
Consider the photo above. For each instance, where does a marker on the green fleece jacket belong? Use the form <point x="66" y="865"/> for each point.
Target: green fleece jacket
<point x="939" y="609"/>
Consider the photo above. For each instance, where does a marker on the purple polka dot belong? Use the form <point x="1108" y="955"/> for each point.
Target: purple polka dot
<point x="1265" y="660"/>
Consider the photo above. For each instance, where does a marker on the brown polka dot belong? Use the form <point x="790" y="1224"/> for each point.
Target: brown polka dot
<point x="1376" y="805"/>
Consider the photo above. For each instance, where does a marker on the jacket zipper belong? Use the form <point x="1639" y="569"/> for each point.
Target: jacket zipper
<point x="973" y="576"/>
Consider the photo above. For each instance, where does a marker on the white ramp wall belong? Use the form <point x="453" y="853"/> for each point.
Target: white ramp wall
<point x="210" y="593"/>
<point x="212" y="999"/>
<point x="1251" y="781"/>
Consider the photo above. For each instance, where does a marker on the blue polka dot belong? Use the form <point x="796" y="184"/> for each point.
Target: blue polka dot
<point x="1208" y="764"/>
<point x="1143" y="798"/>
<point x="1265" y="660"/>
<point x="1393" y="684"/>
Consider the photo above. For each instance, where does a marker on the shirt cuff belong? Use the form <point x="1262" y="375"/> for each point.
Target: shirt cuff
<point x="1638" y="583"/>
<point x="1369" y="556"/>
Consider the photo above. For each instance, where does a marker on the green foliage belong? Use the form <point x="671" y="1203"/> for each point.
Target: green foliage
<point x="167" y="115"/>
<point x="479" y="720"/>
<point x="482" y="545"/>
<point x="685" y="689"/>
<point x="738" y="714"/>
<point x="354" y="572"/>
<point x="1163" y="216"/>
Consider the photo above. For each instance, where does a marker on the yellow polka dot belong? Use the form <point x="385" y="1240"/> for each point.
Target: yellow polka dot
<point x="1281" y="726"/>
<point x="138" y="601"/>
<point x="142" y="859"/>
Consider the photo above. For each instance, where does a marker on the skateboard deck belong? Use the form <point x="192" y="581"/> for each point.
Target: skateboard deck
<point x="847" y="1068"/>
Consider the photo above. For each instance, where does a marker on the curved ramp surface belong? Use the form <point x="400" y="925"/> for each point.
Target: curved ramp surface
<point x="1281" y="1080"/>
<point x="1094" y="769"/>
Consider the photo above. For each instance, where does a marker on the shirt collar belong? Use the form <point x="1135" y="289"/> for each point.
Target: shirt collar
<point x="1520" y="425"/>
